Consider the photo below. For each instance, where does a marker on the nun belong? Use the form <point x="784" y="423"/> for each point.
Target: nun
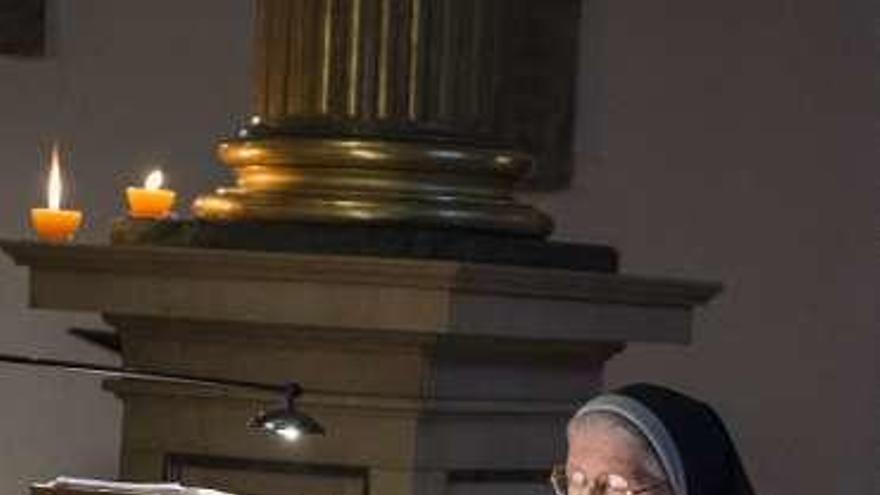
<point x="646" y="439"/>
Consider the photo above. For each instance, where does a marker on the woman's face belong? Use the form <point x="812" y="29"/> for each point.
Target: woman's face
<point x="598" y="448"/>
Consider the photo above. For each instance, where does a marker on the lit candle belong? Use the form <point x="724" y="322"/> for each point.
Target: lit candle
<point x="54" y="224"/>
<point x="150" y="201"/>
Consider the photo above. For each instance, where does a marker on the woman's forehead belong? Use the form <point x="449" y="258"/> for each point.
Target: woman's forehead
<point x="597" y="448"/>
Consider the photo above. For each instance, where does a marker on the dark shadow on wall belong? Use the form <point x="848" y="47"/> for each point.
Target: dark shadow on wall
<point x="23" y="28"/>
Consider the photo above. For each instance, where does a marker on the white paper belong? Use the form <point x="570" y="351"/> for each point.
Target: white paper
<point x="92" y="485"/>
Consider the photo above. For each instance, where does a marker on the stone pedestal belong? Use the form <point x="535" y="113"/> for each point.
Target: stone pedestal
<point x="431" y="377"/>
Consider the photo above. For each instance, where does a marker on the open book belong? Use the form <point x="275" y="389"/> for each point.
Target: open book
<point x="83" y="485"/>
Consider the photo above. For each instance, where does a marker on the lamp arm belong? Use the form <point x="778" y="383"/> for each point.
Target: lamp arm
<point x="120" y="372"/>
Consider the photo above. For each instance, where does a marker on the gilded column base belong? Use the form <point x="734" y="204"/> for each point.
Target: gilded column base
<point x="336" y="180"/>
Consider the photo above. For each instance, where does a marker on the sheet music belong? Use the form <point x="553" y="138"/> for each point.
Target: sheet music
<point x="127" y="488"/>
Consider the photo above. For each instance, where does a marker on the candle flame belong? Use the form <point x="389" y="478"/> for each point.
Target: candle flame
<point x="55" y="186"/>
<point x="154" y="180"/>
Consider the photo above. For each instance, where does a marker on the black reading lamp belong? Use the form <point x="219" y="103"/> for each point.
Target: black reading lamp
<point x="286" y="422"/>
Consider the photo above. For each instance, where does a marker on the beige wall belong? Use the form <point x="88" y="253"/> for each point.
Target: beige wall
<point x="728" y="140"/>
<point x="132" y="83"/>
<point x="741" y="146"/>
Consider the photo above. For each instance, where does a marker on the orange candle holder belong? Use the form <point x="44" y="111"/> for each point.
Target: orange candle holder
<point x="146" y="203"/>
<point x="56" y="226"/>
<point x="150" y="201"/>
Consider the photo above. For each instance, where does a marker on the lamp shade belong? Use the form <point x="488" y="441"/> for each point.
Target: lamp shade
<point x="288" y="423"/>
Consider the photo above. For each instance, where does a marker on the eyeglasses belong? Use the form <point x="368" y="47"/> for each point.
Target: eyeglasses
<point x="576" y="483"/>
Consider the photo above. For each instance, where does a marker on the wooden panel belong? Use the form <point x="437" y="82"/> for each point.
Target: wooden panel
<point x="253" y="477"/>
<point x="513" y="482"/>
<point x="22" y="27"/>
<point x="498" y="489"/>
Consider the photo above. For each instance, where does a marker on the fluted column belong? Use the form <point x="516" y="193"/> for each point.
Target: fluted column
<point x="419" y="61"/>
<point x="410" y="112"/>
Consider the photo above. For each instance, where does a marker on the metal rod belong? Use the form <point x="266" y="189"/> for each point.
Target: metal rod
<point x="292" y="389"/>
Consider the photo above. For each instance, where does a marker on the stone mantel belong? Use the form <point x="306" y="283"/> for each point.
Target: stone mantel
<point x="431" y="377"/>
<point x="360" y="293"/>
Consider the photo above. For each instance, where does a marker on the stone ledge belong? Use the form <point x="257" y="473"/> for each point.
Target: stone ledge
<point x="192" y="263"/>
<point x="357" y="293"/>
